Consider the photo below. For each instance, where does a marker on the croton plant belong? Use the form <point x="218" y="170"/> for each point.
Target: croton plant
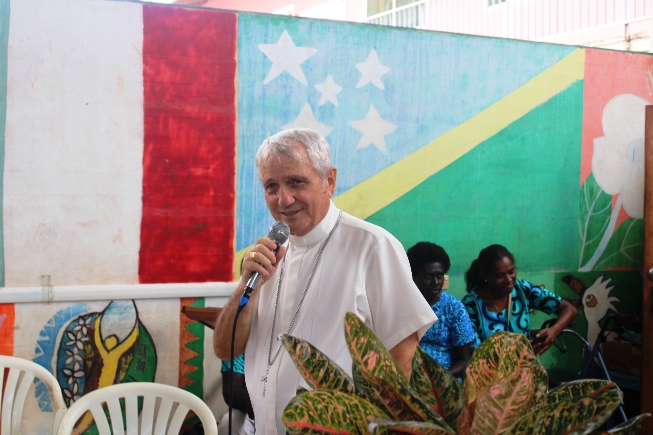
<point x="504" y="392"/>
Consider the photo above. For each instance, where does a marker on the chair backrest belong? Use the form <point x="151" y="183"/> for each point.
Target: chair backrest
<point x="17" y="375"/>
<point x="163" y="410"/>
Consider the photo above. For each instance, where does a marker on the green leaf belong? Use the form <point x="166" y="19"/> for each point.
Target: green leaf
<point x="573" y="416"/>
<point x="630" y="427"/>
<point x="583" y="388"/>
<point x="625" y="248"/>
<point x="329" y="411"/>
<point x="382" y="427"/>
<point x="317" y="369"/>
<point x="504" y="402"/>
<point x="437" y="387"/>
<point x="595" y="210"/>
<point x="369" y="353"/>
<point x="378" y="377"/>
<point x="501" y="355"/>
<point x="403" y="404"/>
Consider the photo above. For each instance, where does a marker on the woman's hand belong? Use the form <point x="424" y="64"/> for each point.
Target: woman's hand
<point x="540" y="347"/>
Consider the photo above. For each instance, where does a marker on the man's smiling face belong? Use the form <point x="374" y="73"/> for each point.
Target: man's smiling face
<point x="294" y="191"/>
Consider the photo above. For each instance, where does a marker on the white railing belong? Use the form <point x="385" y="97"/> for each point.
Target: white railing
<point x="414" y="15"/>
<point x="580" y="22"/>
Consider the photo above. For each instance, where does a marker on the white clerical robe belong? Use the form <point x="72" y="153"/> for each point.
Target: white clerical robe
<point x="364" y="270"/>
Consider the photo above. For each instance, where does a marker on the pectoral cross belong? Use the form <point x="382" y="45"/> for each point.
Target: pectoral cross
<point x="264" y="379"/>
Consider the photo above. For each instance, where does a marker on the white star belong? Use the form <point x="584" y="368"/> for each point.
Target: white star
<point x="371" y="71"/>
<point x="329" y="89"/>
<point x="305" y="119"/>
<point x="285" y="56"/>
<point x="374" y="128"/>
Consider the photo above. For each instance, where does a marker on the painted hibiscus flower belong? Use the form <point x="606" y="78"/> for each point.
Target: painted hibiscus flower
<point x="618" y="160"/>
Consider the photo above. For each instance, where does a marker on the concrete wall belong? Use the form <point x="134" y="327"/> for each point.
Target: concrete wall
<point x="128" y="134"/>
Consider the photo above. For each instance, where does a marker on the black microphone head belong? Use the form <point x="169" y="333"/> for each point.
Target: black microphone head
<point x="279" y="232"/>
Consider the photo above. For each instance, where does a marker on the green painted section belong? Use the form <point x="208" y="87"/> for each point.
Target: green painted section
<point x="4" y="51"/>
<point x="519" y="188"/>
<point x="197" y="376"/>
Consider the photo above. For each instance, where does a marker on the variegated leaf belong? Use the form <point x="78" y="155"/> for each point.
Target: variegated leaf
<point x="329" y="411"/>
<point x="402" y="404"/>
<point x="382" y="427"/>
<point x="437" y="387"/>
<point x="369" y="353"/>
<point x="383" y="381"/>
<point x="504" y="402"/>
<point x="464" y="423"/>
<point x="502" y="354"/>
<point x="574" y="416"/>
<point x="630" y="427"/>
<point x="583" y="388"/>
<point x="317" y="369"/>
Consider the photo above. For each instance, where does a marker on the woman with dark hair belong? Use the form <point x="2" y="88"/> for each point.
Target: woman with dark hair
<point x="498" y="301"/>
<point x="449" y="341"/>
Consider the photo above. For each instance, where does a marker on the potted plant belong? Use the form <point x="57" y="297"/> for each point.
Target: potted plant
<point x="504" y="392"/>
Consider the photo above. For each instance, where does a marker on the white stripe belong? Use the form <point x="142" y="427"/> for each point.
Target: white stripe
<point x="74" y="142"/>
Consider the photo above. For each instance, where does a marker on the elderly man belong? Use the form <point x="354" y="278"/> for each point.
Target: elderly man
<point x="333" y="263"/>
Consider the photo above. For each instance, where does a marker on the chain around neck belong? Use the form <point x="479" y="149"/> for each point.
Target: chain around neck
<point x="323" y="244"/>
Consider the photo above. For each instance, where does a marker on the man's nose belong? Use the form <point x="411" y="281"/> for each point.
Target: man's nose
<point x="286" y="197"/>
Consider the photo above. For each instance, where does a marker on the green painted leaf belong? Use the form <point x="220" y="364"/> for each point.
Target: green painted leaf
<point x="573" y="416"/>
<point x="625" y="248"/>
<point x="437" y="387"/>
<point x="595" y="210"/>
<point x="317" y="369"/>
<point x="329" y="411"/>
<point x="382" y="427"/>
<point x="630" y="427"/>
<point x="504" y="402"/>
<point x="583" y="388"/>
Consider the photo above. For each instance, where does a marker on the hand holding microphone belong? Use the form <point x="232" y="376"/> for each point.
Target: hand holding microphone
<point x="262" y="258"/>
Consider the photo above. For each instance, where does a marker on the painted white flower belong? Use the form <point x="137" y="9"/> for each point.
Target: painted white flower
<point x="618" y="159"/>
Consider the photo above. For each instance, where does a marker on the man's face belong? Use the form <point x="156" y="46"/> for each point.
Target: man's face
<point x="295" y="193"/>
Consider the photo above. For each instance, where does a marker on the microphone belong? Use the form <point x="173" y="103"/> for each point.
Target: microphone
<point x="279" y="232"/>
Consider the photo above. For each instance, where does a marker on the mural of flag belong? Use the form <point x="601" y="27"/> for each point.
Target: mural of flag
<point x="136" y="182"/>
<point x="381" y="95"/>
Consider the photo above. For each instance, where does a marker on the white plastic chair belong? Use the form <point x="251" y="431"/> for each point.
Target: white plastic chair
<point x="163" y="411"/>
<point x="20" y="374"/>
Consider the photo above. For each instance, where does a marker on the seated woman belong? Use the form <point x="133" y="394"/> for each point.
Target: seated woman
<point x="492" y="286"/>
<point x="449" y="341"/>
<point x="242" y="414"/>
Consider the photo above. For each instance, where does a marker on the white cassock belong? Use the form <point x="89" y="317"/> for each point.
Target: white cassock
<point x="364" y="270"/>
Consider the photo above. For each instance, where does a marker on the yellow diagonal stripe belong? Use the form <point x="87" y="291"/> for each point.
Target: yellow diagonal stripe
<point x="390" y="184"/>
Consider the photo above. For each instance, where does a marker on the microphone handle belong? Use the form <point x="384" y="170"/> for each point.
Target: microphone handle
<point x="250" y="286"/>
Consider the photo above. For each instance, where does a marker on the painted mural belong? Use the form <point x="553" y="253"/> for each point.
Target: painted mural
<point x="128" y="139"/>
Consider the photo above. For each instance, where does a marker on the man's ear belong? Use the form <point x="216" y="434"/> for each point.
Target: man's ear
<point x="331" y="181"/>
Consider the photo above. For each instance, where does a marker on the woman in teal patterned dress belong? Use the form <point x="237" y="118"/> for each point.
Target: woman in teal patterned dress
<point x="492" y="287"/>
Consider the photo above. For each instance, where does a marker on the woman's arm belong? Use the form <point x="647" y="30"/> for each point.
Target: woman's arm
<point x="566" y="313"/>
<point x="461" y="356"/>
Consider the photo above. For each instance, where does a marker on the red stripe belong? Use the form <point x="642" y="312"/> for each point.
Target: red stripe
<point x="189" y="70"/>
<point x="7" y="324"/>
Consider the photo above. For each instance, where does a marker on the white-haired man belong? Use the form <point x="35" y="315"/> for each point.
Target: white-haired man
<point x="333" y="263"/>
